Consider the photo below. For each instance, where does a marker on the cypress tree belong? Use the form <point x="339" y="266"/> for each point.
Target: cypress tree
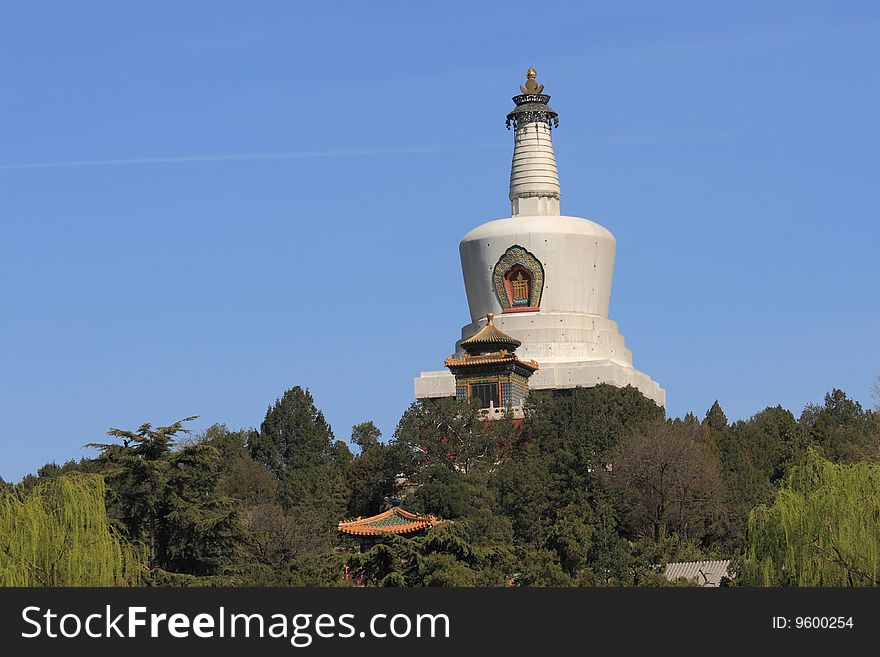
<point x="715" y="418"/>
<point x="296" y="443"/>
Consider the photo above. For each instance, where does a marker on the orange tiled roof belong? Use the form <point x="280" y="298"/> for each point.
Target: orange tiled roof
<point x="393" y="521"/>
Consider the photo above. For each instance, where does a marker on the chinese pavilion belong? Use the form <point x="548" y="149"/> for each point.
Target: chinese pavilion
<point x="393" y="521"/>
<point x="542" y="278"/>
<point x="489" y="372"/>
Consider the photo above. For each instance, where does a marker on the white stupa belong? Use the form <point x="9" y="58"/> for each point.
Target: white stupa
<point x="545" y="277"/>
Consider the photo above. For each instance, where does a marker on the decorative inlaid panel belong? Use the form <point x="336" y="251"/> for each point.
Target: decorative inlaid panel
<point x="518" y="279"/>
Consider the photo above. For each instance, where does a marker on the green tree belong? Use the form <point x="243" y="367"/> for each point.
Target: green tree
<point x="571" y="538"/>
<point x="756" y="454"/>
<point x="611" y="561"/>
<point x="565" y="442"/>
<point x="715" y="418"/>
<point x="588" y="422"/>
<point x="231" y="444"/>
<point x="365" y="435"/>
<point x="59" y="534"/>
<point x="242" y="479"/>
<point x="168" y="501"/>
<point x="715" y="430"/>
<point x="841" y="428"/>
<point x="371" y="476"/>
<point x="821" y="530"/>
<point x="449" y="432"/>
<point x="526" y="495"/>
<point x="200" y="529"/>
<point x="541" y="567"/>
<point x="445" y="493"/>
<point x="51" y="470"/>
<point x="247" y="482"/>
<point x="443" y="557"/>
<point x="776" y="442"/>
<point x="296" y="444"/>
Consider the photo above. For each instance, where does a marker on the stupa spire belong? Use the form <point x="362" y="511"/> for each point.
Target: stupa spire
<point x="534" y="180"/>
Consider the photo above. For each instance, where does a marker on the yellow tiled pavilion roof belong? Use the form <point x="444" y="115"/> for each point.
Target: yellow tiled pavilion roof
<point x="393" y="521"/>
<point x="489" y="359"/>
<point x="490" y="338"/>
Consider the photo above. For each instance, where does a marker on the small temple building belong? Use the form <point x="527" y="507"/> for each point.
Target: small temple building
<point x="489" y="373"/>
<point x="541" y="278"/>
<point x="395" y="520"/>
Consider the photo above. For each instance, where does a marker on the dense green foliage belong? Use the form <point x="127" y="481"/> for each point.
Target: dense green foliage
<point x="823" y="529"/>
<point x="58" y="534"/>
<point x="594" y="487"/>
<point x="167" y="501"/>
<point x="296" y="444"/>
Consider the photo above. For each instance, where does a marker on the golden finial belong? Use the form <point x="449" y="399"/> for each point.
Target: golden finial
<point x="531" y="87"/>
<point x="490" y="317"/>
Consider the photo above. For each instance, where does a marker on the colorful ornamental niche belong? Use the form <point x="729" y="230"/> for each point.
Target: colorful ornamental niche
<point x="518" y="279"/>
<point x="393" y="521"/>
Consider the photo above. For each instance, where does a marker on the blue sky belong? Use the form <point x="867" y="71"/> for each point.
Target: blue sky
<point x="232" y="198"/>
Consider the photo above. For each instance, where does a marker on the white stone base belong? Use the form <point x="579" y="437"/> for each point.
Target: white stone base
<point x="556" y="376"/>
<point x="429" y="385"/>
<point x="573" y="350"/>
<point x="554" y="337"/>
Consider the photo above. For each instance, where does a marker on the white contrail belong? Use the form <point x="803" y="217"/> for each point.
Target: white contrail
<point x="254" y="156"/>
<point x="363" y="152"/>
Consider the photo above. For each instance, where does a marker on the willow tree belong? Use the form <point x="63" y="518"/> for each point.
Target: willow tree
<point x="59" y="535"/>
<point x="823" y="528"/>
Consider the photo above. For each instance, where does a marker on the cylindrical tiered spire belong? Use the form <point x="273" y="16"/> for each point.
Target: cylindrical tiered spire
<point x="534" y="180"/>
